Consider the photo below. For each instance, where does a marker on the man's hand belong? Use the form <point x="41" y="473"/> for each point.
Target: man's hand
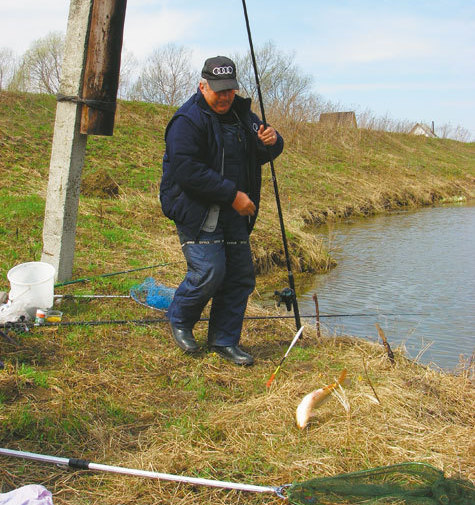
<point x="243" y="204"/>
<point x="268" y="136"/>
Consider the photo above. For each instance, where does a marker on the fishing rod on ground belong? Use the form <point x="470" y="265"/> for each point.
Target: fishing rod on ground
<point x="91" y="296"/>
<point x="87" y="279"/>
<point x="288" y="295"/>
<point x="22" y="324"/>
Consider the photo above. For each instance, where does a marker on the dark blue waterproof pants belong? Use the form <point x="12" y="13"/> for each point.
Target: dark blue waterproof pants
<point x="219" y="268"/>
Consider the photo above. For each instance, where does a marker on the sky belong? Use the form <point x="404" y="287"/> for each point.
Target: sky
<point x="411" y="60"/>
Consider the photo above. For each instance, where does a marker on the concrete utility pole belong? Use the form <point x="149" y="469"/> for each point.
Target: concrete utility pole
<point x="86" y="105"/>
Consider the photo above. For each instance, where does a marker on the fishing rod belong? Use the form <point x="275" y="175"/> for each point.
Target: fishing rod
<point x="291" y="299"/>
<point x="68" y="297"/>
<point x="203" y="319"/>
<point x="87" y="279"/>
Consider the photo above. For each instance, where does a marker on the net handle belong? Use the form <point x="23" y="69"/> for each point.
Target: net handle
<point x="88" y="465"/>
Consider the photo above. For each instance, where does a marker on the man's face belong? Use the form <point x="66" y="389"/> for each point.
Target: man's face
<point x="219" y="101"/>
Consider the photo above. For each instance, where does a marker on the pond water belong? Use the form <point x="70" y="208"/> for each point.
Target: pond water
<point x="419" y="265"/>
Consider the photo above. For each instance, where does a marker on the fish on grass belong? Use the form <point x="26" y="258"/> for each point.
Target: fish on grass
<point x="315" y="399"/>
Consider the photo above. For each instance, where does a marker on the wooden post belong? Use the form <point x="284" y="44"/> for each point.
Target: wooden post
<point x="317" y="314"/>
<point x="101" y="77"/>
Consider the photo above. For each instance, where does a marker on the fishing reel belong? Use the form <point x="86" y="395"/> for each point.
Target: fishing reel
<point x="286" y="296"/>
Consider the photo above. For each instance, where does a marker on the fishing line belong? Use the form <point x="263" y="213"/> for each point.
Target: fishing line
<point x="274" y="178"/>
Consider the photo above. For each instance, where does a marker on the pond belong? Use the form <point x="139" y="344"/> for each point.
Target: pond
<point x="415" y="271"/>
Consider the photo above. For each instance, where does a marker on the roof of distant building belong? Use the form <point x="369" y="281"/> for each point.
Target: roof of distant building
<point x="422" y="129"/>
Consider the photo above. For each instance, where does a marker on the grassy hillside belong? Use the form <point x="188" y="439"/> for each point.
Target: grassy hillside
<point x="123" y="394"/>
<point x="321" y="175"/>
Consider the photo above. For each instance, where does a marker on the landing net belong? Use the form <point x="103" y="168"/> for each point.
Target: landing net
<point x="403" y="484"/>
<point x="151" y="294"/>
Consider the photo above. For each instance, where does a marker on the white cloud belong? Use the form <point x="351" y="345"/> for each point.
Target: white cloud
<point x="377" y="38"/>
<point x="24" y="21"/>
<point x="394" y="85"/>
<point x="145" y="31"/>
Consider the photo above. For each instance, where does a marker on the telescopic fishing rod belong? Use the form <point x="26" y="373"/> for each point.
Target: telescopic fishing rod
<point x="23" y="324"/>
<point x="291" y="297"/>
<point x="111" y="274"/>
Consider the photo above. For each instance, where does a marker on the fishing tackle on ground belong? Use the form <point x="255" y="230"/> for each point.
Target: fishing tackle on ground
<point x="87" y="279"/>
<point x="23" y="326"/>
<point x="405" y="484"/>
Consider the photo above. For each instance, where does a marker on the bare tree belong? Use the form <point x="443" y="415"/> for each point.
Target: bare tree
<point x="7" y="67"/>
<point x="461" y="134"/>
<point x="128" y="69"/>
<point x="40" y="68"/>
<point x="167" y="77"/>
<point x="367" y="119"/>
<point x="283" y="86"/>
<point x="447" y="131"/>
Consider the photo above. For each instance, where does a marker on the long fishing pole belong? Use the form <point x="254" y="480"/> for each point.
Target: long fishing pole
<point x="274" y="179"/>
<point x="70" y="297"/>
<point x="203" y="319"/>
<point x="87" y="279"/>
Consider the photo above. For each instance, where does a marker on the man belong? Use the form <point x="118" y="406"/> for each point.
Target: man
<point x="210" y="187"/>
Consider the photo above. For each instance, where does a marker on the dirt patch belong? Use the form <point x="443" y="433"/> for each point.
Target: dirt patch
<point x="99" y="184"/>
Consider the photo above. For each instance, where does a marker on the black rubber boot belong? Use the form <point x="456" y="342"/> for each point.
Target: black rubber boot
<point x="233" y="353"/>
<point x="184" y="339"/>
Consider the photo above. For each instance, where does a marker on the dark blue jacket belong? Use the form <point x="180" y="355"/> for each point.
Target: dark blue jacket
<point x="192" y="179"/>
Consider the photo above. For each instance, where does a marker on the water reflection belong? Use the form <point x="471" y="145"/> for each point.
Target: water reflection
<point x="418" y="262"/>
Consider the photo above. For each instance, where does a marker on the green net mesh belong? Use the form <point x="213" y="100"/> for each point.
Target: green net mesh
<point x="404" y="484"/>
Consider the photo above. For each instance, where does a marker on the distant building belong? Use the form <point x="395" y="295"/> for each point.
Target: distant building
<point x="338" y="119"/>
<point x="422" y="129"/>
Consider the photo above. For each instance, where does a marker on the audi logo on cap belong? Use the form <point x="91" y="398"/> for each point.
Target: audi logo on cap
<point x="228" y="70"/>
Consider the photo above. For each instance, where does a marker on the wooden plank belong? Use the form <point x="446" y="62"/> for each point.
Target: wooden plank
<point x="102" y="69"/>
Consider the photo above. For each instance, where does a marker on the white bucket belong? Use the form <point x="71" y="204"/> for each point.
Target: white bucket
<point x="32" y="284"/>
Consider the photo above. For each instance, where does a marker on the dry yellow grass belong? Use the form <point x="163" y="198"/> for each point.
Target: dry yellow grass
<point x="125" y="395"/>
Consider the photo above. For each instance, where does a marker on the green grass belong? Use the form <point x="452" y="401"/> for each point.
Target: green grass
<point x="30" y="374"/>
<point x="124" y="394"/>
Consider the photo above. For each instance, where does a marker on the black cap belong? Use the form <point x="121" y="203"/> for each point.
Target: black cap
<point x="220" y="72"/>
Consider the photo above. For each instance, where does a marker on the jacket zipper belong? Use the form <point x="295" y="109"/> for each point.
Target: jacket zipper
<point x="207" y="211"/>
